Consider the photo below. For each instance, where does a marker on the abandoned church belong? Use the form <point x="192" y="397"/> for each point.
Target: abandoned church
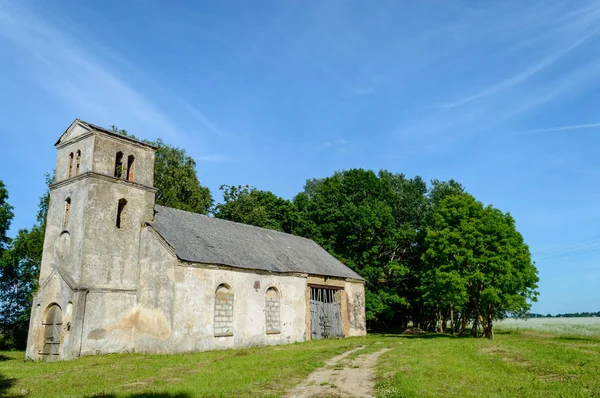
<point x="122" y="274"/>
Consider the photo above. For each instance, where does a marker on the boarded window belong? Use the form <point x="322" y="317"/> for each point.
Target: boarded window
<point x="70" y="164"/>
<point x="67" y="211"/>
<point x="130" y="161"/>
<point x="119" y="165"/>
<point x="77" y="162"/>
<point x="52" y="325"/>
<point x="272" y="311"/>
<point x="223" y="323"/>
<point x="121" y="212"/>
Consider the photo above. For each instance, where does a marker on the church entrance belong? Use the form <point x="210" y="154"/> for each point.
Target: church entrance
<point x="325" y="313"/>
<point x="52" y="325"/>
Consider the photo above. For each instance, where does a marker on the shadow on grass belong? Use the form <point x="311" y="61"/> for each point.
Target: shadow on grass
<point x="575" y="338"/>
<point x="5" y="384"/>
<point x="415" y="336"/>
<point x="4" y="358"/>
<point x="147" y="394"/>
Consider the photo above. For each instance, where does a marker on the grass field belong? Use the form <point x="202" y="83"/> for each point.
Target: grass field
<point x="517" y="363"/>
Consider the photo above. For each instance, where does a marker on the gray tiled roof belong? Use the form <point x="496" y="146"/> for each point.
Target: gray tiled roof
<point x="202" y="239"/>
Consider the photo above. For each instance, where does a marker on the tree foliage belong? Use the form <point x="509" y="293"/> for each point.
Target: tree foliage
<point x="19" y="272"/>
<point x="476" y="264"/>
<point x="248" y="205"/>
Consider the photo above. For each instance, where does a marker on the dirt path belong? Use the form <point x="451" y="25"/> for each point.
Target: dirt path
<point x="341" y="378"/>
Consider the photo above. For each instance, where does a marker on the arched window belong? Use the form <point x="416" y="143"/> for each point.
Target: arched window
<point x="272" y="311"/>
<point x="52" y="324"/>
<point x="77" y="162"/>
<point x="121" y="212"/>
<point x="130" y="161"/>
<point x="67" y="211"/>
<point x="119" y="165"/>
<point x="223" y="323"/>
<point x="70" y="164"/>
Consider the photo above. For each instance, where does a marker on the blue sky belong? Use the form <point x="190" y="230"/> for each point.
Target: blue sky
<point x="501" y="96"/>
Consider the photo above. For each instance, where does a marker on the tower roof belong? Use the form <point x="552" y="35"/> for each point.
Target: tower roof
<point x="80" y="127"/>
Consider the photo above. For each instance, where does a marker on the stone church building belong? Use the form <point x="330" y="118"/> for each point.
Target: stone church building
<point x="122" y="274"/>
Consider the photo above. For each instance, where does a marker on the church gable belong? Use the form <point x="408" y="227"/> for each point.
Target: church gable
<point x="77" y="129"/>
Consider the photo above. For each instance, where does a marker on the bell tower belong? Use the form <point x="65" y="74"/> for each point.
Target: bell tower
<point x="101" y="196"/>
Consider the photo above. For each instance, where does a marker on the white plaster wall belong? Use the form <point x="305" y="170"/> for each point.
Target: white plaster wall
<point x="110" y="257"/>
<point x="355" y="292"/>
<point x="107" y="325"/>
<point x="175" y="308"/>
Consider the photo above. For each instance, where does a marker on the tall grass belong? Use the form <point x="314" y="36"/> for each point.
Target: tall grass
<point x="560" y="326"/>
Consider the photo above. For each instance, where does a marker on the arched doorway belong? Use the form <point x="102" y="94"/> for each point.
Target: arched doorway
<point x="52" y="326"/>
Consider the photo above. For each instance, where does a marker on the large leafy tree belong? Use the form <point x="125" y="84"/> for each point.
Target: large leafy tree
<point x="477" y="263"/>
<point x="248" y="205"/>
<point x="19" y="270"/>
<point x="175" y="178"/>
<point x="369" y="221"/>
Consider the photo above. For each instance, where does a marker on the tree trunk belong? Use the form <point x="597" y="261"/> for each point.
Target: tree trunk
<point x="452" y="319"/>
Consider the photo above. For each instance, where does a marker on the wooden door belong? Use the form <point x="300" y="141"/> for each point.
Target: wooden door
<point x="325" y="314"/>
<point x="52" y="326"/>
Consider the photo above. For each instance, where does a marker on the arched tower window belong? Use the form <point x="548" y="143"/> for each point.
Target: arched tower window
<point x="121" y="212"/>
<point x="70" y="164"/>
<point x="77" y="162"/>
<point x="272" y="311"/>
<point x="223" y="323"/>
<point x="130" y="161"/>
<point x="67" y="211"/>
<point x="119" y="165"/>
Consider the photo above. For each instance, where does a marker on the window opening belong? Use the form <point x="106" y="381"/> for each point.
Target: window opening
<point x="67" y="211"/>
<point x="77" y="162"/>
<point x="130" y="161"/>
<point x="223" y="322"/>
<point x="119" y="165"/>
<point x="121" y="212"/>
<point x="70" y="164"/>
<point x="272" y="311"/>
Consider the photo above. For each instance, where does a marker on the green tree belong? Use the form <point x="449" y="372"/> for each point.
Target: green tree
<point x="358" y="216"/>
<point x="248" y="205"/>
<point x="175" y="178"/>
<point x="6" y="216"/>
<point x="19" y="272"/>
<point x="476" y="261"/>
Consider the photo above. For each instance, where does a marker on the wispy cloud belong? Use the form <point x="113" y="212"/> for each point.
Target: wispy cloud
<point x="555" y="61"/>
<point x="338" y="145"/>
<point x="561" y="128"/>
<point x="93" y="87"/>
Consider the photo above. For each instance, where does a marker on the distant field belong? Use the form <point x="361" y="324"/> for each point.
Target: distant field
<point x="562" y="326"/>
<point x="535" y="358"/>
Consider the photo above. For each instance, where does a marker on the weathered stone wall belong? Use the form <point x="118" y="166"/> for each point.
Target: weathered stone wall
<point x="105" y="152"/>
<point x="181" y="299"/>
<point x="355" y="304"/>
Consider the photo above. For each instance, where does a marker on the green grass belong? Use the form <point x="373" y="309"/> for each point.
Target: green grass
<point x="516" y="363"/>
<point x="260" y="371"/>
